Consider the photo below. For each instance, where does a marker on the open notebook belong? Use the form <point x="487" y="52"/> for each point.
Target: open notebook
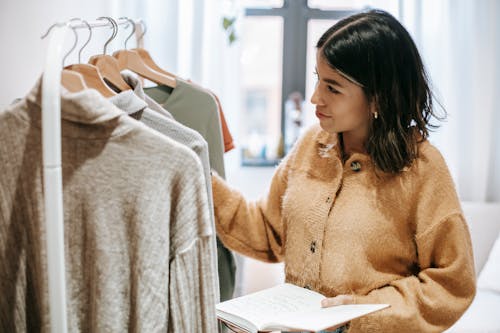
<point x="288" y="307"/>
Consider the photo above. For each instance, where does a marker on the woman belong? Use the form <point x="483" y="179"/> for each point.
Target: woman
<point x="363" y="209"/>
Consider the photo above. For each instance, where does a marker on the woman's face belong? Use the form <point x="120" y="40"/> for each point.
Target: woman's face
<point x="341" y="105"/>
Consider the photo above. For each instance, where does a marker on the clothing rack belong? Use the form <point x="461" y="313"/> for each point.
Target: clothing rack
<point x="52" y="169"/>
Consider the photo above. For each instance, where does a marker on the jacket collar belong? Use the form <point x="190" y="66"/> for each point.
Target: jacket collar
<point x="78" y="110"/>
<point x="330" y="142"/>
<point x="329" y="152"/>
<point x="136" y="85"/>
<point x="84" y="107"/>
<point x="324" y="138"/>
<point x="128" y="101"/>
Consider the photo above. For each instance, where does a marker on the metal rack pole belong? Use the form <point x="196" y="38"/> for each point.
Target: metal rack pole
<point x="52" y="170"/>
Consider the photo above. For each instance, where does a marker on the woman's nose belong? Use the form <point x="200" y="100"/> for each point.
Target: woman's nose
<point x="315" y="98"/>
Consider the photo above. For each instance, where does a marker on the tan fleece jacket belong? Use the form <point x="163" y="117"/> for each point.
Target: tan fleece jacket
<point x="345" y="228"/>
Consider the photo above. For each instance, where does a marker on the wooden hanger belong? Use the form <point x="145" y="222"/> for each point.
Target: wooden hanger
<point x="107" y="65"/>
<point x="144" y="54"/>
<point x="72" y="81"/>
<point x="90" y="73"/>
<point x="93" y="78"/>
<point x="146" y="57"/>
<point x="131" y="60"/>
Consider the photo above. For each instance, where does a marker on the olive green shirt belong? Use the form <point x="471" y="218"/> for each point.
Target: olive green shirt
<point x="197" y="109"/>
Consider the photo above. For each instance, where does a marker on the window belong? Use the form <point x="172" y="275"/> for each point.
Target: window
<point x="278" y="61"/>
<point x="262" y="3"/>
<point x="315" y="28"/>
<point x="261" y="61"/>
<point x="391" y="6"/>
<point x="337" y="4"/>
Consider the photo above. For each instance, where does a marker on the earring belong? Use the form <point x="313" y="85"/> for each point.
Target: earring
<point x="375" y="115"/>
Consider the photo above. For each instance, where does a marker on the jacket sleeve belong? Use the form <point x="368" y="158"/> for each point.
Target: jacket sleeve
<point x="435" y="298"/>
<point x="254" y="229"/>
<point x="193" y="270"/>
<point x="437" y="295"/>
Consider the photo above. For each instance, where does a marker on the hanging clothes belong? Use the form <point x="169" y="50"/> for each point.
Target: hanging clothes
<point x="135" y="205"/>
<point x="137" y="105"/>
<point x="226" y="134"/>
<point x="197" y="109"/>
<point x="141" y="107"/>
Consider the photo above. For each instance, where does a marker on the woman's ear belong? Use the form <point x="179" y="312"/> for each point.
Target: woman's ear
<point x="372" y="108"/>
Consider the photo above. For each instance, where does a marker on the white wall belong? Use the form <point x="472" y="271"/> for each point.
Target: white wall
<point x="459" y="41"/>
<point x="253" y="182"/>
<point x="23" y="52"/>
<point x="22" y="22"/>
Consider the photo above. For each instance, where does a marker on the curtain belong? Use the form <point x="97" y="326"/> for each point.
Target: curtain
<point x="459" y="41"/>
<point x="187" y="38"/>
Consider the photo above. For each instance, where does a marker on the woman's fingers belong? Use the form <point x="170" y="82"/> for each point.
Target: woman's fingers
<point x="337" y="300"/>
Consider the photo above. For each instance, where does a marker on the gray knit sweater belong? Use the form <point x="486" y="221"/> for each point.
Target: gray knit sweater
<point x="139" y="106"/>
<point x="136" y="219"/>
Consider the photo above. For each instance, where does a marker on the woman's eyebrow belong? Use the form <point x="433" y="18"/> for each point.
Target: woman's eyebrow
<point x="333" y="82"/>
<point x="330" y="81"/>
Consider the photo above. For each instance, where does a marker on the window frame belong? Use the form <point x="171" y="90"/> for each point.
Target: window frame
<point x="296" y="15"/>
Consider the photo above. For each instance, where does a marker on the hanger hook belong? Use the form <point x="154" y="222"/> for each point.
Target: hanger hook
<point x="87" y="42"/>
<point x="88" y="39"/>
<point x="74" y="33"/>
<point x="144" y="29"/>
<point x="74" y="43"/>
<point x="58" y="24"/>
<point x="114" y="25"/>
<point x="130" y="21"/>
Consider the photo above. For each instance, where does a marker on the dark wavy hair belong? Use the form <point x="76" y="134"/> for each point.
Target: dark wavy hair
<point x="376" y="51"/>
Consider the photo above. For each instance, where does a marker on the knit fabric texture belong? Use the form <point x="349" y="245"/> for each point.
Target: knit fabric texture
<point x="194" y="107"/>
<point x="348" y="228"/>
<point x="197" y="109"/>
<point x="134" y="206"/>
<point x="136" y="104"/>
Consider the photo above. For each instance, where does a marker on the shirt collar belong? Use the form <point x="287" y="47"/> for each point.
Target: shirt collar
<point x="329" y="146"/>
<point x="128" y="101"/>
<point x="78" y="111"/>
<point x="327" y="143"/>
<point x="136" y="85"/>
<point x="84" y="107"/>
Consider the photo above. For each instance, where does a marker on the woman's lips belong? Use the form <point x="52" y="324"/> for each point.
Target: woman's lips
<point x="321" y="115"/>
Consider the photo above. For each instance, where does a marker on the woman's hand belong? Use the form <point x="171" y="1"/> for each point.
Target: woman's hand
<point x="337" y="300"/>
<point x="334" y="301"/>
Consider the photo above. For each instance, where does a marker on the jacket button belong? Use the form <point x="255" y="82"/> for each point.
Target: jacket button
<point x="329" y="199"/>
<point x="355" y="166"/>
<point x="313" y="246"/>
